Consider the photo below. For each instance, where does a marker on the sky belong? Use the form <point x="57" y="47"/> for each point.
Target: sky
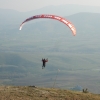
<point x="28" y="5"/>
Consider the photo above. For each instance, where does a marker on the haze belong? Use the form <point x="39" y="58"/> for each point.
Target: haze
<point x="28" y="5"/>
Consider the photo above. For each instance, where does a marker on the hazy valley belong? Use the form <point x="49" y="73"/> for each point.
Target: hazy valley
<point x="77" y="57"/>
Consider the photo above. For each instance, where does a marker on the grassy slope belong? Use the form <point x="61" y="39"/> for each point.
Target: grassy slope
<point x="37" y="93"/>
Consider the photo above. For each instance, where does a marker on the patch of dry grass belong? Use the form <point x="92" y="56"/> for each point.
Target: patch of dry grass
<point x="37" y="93"/>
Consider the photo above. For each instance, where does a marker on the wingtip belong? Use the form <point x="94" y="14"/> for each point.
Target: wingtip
<point x="20" y="28"/>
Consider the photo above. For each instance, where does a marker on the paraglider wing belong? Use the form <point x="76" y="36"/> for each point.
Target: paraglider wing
<point x="61" y="19"/>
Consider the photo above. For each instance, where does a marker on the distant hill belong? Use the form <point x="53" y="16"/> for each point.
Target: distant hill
<point x="61" y="10"/>
<point x="13" y="66"/>
<point x="65" y="10"/>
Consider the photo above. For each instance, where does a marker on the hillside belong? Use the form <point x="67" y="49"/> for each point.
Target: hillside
<point x="77" y="57"/>
<point x="37" y="93"/>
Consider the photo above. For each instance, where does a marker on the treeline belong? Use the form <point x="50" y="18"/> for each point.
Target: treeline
<point x="13" y="66"/>
<point x="13" y="59"/>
